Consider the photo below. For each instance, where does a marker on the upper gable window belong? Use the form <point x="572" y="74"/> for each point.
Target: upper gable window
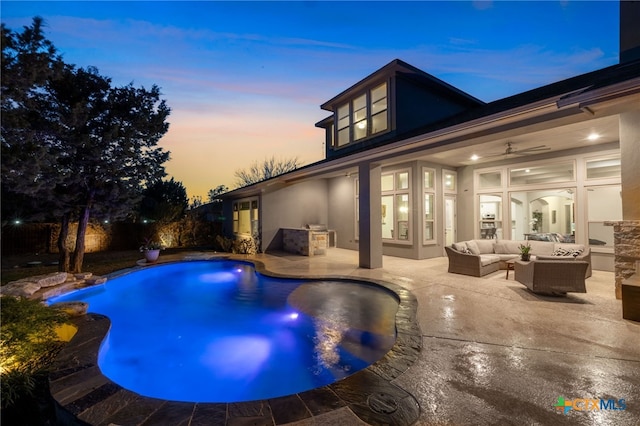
<point x="379" y="120"/>
<point x="362" y="117"/>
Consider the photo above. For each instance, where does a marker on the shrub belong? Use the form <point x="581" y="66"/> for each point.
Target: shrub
<point x="28" y="343"/>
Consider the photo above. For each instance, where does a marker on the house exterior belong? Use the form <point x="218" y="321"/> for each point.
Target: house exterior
<point x="414" y="164"/>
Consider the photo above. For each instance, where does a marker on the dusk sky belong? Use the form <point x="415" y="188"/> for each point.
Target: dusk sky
<point x="245" y="80"/>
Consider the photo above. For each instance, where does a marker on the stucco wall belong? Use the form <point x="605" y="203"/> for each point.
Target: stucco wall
<point x="465" y="204"/>
<point x="293" y="207"/>
<point x="342" y="210"/>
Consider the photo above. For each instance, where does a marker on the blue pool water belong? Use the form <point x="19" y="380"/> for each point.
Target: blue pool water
<point x="217" y="331"/>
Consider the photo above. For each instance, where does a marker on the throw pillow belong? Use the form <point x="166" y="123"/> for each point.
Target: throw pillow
<point x="566" y="252"/>
<point x="461" y="247"/>
<point x="471" y="245"/>
<point x="561" y="252"/>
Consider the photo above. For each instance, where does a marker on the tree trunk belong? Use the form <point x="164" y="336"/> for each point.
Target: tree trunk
<point x="63" y="257"/>
<point x="78" y="253"/>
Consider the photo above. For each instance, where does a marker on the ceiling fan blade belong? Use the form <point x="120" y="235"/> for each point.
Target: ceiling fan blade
<point x="535" y="149"/>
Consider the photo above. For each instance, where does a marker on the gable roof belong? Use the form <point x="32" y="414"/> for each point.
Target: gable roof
<point x="399" y="67"/>
<point x="563" y="91"/>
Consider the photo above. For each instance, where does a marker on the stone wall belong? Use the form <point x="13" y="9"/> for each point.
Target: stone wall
<point x="305" y="242"/>
<point x="626" y="235"/>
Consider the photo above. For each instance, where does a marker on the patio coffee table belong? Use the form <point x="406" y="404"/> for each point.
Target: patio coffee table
<point x="510" y="264"/>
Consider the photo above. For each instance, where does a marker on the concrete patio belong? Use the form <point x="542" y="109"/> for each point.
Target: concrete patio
<point x="495" y="353"/>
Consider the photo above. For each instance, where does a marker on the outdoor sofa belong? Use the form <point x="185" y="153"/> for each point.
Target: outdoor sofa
<point x="482" y="257"/>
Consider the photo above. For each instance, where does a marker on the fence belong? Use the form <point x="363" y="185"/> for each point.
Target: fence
<point x="28" y="238"/>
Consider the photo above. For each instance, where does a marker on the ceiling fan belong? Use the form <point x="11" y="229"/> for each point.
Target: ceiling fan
<point x="512" y="150"/>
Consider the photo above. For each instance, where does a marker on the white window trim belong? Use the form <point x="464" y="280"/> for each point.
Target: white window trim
<point x="250" y="200"/>
<point x="367" y="93"/>
<point x="432" y="191"/>
<point x="444" y="187"/>
<point x="580" y="184"/>
<point x="395" y="192"/>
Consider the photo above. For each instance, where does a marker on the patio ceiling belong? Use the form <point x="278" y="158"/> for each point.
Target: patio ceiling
<point x="557" y="139"/>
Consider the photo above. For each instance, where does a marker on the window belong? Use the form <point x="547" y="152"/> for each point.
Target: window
<point x="543" y="215"/>
<point x="379" y="109"/>
<point x="603" y="204"/>
<point x="449" y="181"/>
<point x="359" y="117"/>
<point x="536" y="175"/>
<point x="363" y="117"/>
<point x="603" y="168"/>
<point x="396" y="206"/>
<point x="343" y="125"/>
<point x="490" y="180"/>
<point x="245" y="217"/>
<point x="428" y="222"/>
<point x="490" y="216"/>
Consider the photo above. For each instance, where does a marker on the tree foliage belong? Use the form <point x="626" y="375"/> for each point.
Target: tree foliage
<point x="164" y="201"/>
<point x="27" y="340"/>
<point x="94" y="144"/>
<point x="213" y="194"/>
<point x="270" y="167"/>
<point x="29" y="63"/>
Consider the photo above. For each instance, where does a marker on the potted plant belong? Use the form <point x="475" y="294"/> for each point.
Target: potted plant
<point x="525" y="252"/>
<point x="151" y="250"/>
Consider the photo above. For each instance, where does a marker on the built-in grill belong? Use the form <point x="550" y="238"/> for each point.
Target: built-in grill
<point x="311" y="240"/>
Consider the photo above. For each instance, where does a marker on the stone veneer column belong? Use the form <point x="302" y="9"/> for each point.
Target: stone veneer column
<point x="626" y="236"/>
<point x="627" y="231"/>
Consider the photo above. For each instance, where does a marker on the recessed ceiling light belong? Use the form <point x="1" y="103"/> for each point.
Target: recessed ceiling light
<point x="474" y="157"/>
<point x="593" y="136"/>
<point x="527" y="170"/>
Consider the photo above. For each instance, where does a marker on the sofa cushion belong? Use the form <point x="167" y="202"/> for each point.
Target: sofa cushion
<point x="508" y="256"/>
<point x="540" y="247"/>
<point x="507" y="247"/>
<point x="488" y="259"/>
<point x="471" y="245"/>
<point x="485" y="246"/>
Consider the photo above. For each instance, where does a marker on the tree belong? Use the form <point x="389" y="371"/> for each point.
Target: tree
<point x="213" y="194"/>
<point x="117" y="154"/>
<point x="195" y="202"/>
<point x="95" y="144"/>
<point x="29" y="62"/>
<point x="269" y="168"/>
<point x="164" y="201"/>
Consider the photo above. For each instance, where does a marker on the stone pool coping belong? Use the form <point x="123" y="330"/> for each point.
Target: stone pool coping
<point x="83" y="395"/>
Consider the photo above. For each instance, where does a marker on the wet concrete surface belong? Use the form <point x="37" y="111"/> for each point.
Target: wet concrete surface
<point x="495" y="353"/>
<point x="476" y="351"/>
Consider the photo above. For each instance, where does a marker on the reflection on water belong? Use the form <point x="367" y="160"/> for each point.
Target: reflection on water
<point x="350" y="319"/>
<point x="220" y="332"/>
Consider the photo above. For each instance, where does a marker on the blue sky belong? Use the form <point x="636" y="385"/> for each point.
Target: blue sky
<point x="245" y="79"/>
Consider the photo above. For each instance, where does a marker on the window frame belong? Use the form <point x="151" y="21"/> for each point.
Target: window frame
<point x="429" y="191"/>
<point x="351" y="122"/>
<point x="393" y="194"/>
<point x="254" y="216"/>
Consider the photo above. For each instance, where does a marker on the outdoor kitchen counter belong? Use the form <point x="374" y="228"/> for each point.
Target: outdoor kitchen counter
<point x="305" y="241"/>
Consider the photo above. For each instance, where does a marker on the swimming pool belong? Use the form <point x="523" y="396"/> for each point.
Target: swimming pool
<point x="217" y="331"/>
